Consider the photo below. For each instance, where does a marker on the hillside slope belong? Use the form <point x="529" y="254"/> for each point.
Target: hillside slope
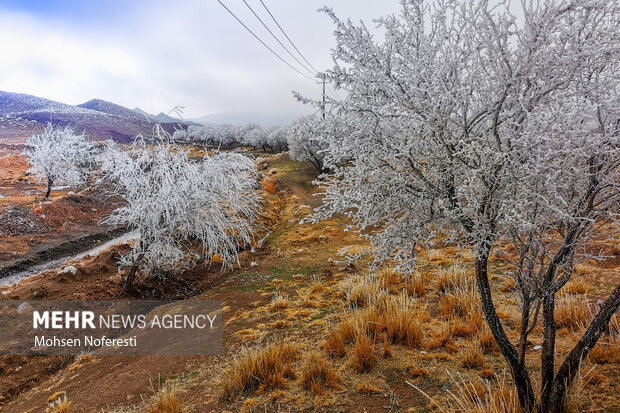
<point x="22" y="115"/>
<point x="303" y="332"/>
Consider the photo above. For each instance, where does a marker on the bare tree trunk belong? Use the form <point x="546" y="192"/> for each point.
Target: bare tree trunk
<point x="520" y="375"/>
<point x="570" y="366"/>
<point x="128" y="284"/>
<point x="547" y="358"/>
<point x="50" y="182"/>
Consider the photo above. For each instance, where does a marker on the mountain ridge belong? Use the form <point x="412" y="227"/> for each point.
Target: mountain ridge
<point x="23" y="114"/>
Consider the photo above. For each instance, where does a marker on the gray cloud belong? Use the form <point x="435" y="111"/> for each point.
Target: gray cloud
<point x="156" y="55"/>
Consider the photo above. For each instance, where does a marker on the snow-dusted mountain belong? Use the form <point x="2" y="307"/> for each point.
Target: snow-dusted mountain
<point x="22" y="115"/>
<point x="163" y="118"/>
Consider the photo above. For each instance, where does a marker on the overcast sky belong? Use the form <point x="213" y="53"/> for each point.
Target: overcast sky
<point x="157" y="54"/>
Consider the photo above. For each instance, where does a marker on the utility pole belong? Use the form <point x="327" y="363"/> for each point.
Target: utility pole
<point x="322" y="76"/>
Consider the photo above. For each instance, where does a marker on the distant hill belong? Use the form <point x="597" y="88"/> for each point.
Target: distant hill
<point x="22" y="114"/>
<point x="163" y="118"/>
<point x="265" y="119"/>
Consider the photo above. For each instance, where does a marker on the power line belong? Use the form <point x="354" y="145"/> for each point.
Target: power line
<point x="288" y="38"/>
<point x="278" y="40"/>
<point x="262" y="42"/>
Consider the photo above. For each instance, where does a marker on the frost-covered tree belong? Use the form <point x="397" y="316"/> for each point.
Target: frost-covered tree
<point x="307" y="139"/>
<point x="183" y="210"/>
<point x="255" y="138"/>
<point x="59" y="156"/>
<point x="277" y="138"/>
<point x="490" y="128"/>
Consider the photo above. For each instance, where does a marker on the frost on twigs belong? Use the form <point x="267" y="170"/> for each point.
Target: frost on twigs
<point x="183" y="210"/>
<point x="466" y="121"/>
<point x="59" y="156"/>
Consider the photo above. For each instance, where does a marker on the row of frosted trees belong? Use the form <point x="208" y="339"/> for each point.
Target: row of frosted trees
<point x="300" y="138"/>
<point x="183" y="211"/>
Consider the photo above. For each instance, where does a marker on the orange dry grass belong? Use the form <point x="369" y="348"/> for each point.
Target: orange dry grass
<point x="461" y="302"/>
<point x="416" y="285"/>
<point x="452" y="279"/>
<point x="402" y="317"/>
<point x="359" y="290"/>
<point x="473" y="358"/>
<point x="60" y="405"/>
<point x="482" y="398"/>
<point x="317" y="374"/>
<point x="334" y="343"/>
<point x="279" y="302"/>
<point x="572" y="312"/>
<point x="605" y="352"/>
<point x="364" y="357"/>
<point x="260" y="368"/>
<point x="367" y="388"/>
<point x="577" y="286"/>
<point x="486" y="341"/>
<point x="166" y="401"/>
<point x="269" y="185"/>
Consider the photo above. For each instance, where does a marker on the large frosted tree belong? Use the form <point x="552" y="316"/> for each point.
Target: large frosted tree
<point x="487" y="127"/>
<point x="59" y="155"/>
<point x="183" y="210"/>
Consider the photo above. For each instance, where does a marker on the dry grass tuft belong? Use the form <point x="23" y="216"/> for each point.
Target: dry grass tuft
<point x="480" y="397"/>
<point x="487" y="374"/>
<point x="279" y="301"/>
<point x="572" y="311"/>
<point x="509" y="284"/>
<point x="166" y="401"/>
<point x="416" y="371"/>
<point x="473" y="358"/>
<point x="386" y="352"/>
<point x="438" y="257"/>
<point x="584" y="269"/>
<point x="444" y="340"/>
<point x="460" y="301"/>
<point x="80" y="361"/>
<point x="334" y="343"/>
<point x="416" y="285"/>
<point x="577" y="286"/>
<point x="402" y="317"/>
<point x="317" y="374"/>
<point x="260" y="368"/>
<point x="605" y="352"/>
<point x="360" y="290"/>
<point x="59" y="405"/>
<point x="269" y="185"/>
<point x="364" y="357"/>
<point x="486" y="341"/>
<point x="367" y="388"/>
<point x="453" y="278"/>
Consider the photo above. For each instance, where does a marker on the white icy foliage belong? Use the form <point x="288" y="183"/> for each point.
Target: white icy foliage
<point x="468" y="121"/>
<point x="307" y="140"/>
<point x="183" y="210"/>
<point x="59" y="155"/>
